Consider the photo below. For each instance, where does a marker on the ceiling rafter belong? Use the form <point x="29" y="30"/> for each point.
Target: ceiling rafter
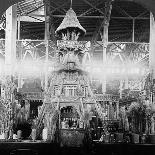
<point x="96" y="32"/>
<point x="29" y="6"/>
<point x="58" y="8"/>
<point x="141" y="14"/>
<point x="62" y="11"/>
<point x="35" y="4"/>
<point x="33" y="10"/>
<point x="122" y="11"/>
<point x="35" y="18"/>
<point x="99" y="17"/>
<point x="87" y="11"/>
<point x="88" y="15"/>
<point x="20" y="9"/>
<point x="93" y="6"/>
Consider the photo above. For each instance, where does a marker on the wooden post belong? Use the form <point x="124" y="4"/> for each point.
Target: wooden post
<point x="121" y="88"/>
<point x="18" y="27"/>
<point x="108" y="8"/>
<point x="126" y="83"/>
<point x="117" y="110"/>
<point x="47" y="37"/>
<point x="152" y="50"/>
<point x="10" y="39"/>
<point x="133" y="30"/>
<point x="110" y="110"/>
<point x="10" y="58"/>
<point x="152" y="45"/>
<point x="20" y="55"/>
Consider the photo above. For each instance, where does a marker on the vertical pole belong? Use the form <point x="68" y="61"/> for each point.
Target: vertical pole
<point x="108" y="110"/>
<point x="152" y="49"/>
<point x="133" y="30"/>
<point x="117" y="110"/>
<point x="121" y="88"/>
<point x="20" y="55"/>
<point x="59" y="120"/>
<point x="126" y="82"/>
<point x="10" y="57"/>
<point x="111" y="111"/>
<point x="47" y="37"/>
<point x="108" y="8"/>
<point x="18" y="27"/>
<point x="10" y="39"/>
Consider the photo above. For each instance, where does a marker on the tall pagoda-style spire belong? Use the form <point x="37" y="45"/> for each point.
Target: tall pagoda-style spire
<point x="69" y="25"/>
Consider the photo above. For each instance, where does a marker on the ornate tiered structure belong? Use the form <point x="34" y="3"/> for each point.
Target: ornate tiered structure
<point x="69" y="95"/>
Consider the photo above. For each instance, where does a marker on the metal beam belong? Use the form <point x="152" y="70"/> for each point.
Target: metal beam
<point x="133" y="30"/>
<point x="35" y="4"/>
<point x="26" y="13"/>
<point x="63" y="12"/>
<point x="141" y="14"/>
<point x="20" y="9"/>
<point x="47" y="37"/>
<point x="59" y="7"/>
<point x="122" y="11"/>
<point x="36" y="18"/>
<point x="141" y="43"/>
<point x="86" y="12"/>
<point x="97" y="17"/>
<point x="93" y="6"/>
<point x="104" y="36"/>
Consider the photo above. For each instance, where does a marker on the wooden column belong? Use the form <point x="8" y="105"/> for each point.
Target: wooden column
<point x="152" y="45"/>
<point x="47" y="37"/>
<point x="133" y="30"/>
<point x="108" y="110"/>
<point x="121" y="88"/>
<point x="10" y="39"/>
<point x="152" y="49"/>
<point x="20" y="56"/>
<point x="117" y="110"/>
<point x="10" y="60"/>
<point x="108" y="8"/>
<point x="18" y="27"/>
<point x="111" y="114"/>
<point x="126" y="82"/>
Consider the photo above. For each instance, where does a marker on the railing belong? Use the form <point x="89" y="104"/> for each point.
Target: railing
<point x="106" y="97"/>
<point x="33" y="95"/>
<point x="138" y="50"/>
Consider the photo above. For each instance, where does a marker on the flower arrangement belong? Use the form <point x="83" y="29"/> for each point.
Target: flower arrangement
<point x="5" y="111"/>
<point x="139" y="114"/>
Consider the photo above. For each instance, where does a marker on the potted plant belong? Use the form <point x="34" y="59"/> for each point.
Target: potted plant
<point x="150" y="122"/>
<point x="137" y="119"/>
<point x="141" y="118"/>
